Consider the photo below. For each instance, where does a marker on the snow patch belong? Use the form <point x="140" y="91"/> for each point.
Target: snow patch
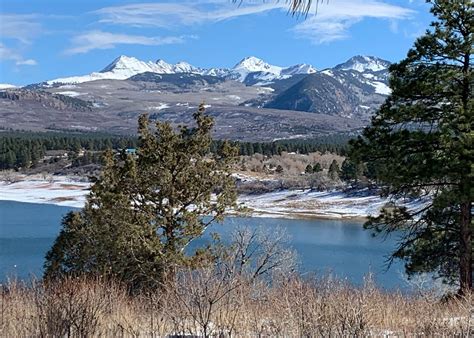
<point x="60" y="191"/>
<point x="381" y="88"/>
<point x="71" y="93"/>
<point x="69" y="86"/>
<point x="7" y="86"/>
<point x="160" y="106"/>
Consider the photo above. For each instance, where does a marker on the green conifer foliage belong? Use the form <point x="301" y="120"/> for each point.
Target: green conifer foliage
<point x="317" y="168"/>
<point x="421" y="144"/>
<point x="145" y="209"/>
<point x="334" y="170"/>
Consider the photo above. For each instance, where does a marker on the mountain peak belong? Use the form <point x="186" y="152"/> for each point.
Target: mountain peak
<point x="254" y="64"/>
<point x="161" y="62"/>
<point x="301" y="68"/>
<point x="185" y="67"/>
<point x="362" y="63"/>
<point x="122" y="62"/>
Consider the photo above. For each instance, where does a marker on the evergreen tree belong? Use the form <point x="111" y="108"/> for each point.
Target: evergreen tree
<point x="351" y="170"/>
<point x="334" y="170"/>
<point x="144" y="210"/>
<point x="309" y="169"/>
<point x="421" y="142"/>
<point x="317" y="167"/>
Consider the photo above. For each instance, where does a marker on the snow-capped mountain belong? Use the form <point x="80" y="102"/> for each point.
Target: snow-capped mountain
<point x="125" y="67"/>
<point x="254" y="71"/>
<point x="343" y="98"/>
<point x="250" y="69"/>
<point x="361" y="63"/>
<point x="355" y="88"/>
<point x="302" y="68"/>
<point x="7" y="86"/>
<point x="252" y="64"/>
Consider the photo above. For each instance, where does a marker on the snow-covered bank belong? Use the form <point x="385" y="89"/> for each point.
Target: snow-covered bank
<point x="283" y="204"/>
<point x="60" y="191"/>
<point x="317" y="204"/>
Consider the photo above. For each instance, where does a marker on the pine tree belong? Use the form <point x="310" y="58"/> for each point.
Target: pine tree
<point x="317" y="167"/>
<point x="421" y="143"/>
<point x="334" y="170"/>
<point x="144" y="210"/>
<point x="351" y="170"/>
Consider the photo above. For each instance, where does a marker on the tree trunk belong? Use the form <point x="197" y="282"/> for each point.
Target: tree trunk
<point x="465" y="262"/>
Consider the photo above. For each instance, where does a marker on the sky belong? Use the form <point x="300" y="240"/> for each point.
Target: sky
<point x="47" y="39"/>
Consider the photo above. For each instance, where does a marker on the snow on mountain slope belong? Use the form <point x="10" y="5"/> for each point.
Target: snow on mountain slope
<point x="6" y="86"/>
<point x="251" y="71"/>
<point x="252" y="64"/>
<point x="254" y="71"/>
<point x="299" y="69"/>
<point x="125" y="67"/>
<point x="184" y="67"/>
<point x="381" y="88"/>
<point x="362" y="63"/>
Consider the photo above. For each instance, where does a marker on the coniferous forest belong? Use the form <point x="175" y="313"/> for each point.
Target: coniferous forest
<point x="20" y="149"/>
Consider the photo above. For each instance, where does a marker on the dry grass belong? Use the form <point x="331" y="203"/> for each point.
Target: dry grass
<point x="249" y="291"/>
<point x="204" y="303"/>
<point x="292" y="164"/>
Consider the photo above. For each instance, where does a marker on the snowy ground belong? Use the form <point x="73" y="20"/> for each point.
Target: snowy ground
<point x="317" y="204"/>
<point x="284" y="203"/>
<point x="60" y="191"/>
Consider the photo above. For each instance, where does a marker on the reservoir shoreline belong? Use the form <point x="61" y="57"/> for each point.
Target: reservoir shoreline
<point x="286" y="204"/>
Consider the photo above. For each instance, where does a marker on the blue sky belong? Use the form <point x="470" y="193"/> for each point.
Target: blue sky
<point x="46" y="39"/>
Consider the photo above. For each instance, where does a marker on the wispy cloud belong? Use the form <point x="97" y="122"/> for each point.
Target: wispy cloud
<point x="183" y="14"/>
<point x="19" y="30"/>
<point x="88" y="41"/>
<point x="20" y="27"/>
<point x="8" y="54"/>
<point x="326" y="22"/>
<point x="333" y="20"/>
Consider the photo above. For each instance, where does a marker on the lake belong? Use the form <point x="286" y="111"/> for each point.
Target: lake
<point x="27" y="231"/>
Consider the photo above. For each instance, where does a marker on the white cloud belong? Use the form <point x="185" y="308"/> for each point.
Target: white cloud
<point x="88" y="41"/>
<point x="8" y="54"/>
<point x="333" y="20"/>
<point x="184" y="14"/>
<point x="28" y="62"/>
<point x="21" y="27"/>
<point x="20" y="30"/>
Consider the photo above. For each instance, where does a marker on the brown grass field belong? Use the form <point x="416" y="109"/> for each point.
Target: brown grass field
<point x="204" y="303"/>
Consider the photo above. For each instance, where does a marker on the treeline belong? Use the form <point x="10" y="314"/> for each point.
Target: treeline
<point x="20" y="149"/>
<point x="335" y="143"/>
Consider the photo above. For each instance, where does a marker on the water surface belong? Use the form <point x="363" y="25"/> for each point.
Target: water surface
<point x="27" y="231"/>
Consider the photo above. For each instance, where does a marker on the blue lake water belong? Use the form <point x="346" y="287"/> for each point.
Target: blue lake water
<point x="343" y="248"/>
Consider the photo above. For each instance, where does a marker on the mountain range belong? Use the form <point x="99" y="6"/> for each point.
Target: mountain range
<point x="247" y="71"/>
<point x="253" y="100"/>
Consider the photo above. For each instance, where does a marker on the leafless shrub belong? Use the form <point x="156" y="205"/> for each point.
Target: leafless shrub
<point x="10" y="176"/>
<point x="71" y="307"/>
<point x="252" y="289"/>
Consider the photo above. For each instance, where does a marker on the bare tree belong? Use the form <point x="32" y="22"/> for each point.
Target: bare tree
<point x="211" y="296"/>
